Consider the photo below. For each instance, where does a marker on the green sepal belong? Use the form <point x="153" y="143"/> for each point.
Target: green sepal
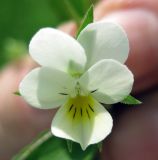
<point x="17" y="93"/>
<point x="130" y="100"/>
<point x="69" y="145"/>
<point x="88" y="18"/>
<point x="100" y="146"/>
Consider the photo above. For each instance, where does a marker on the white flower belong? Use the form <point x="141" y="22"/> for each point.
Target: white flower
<point x="77" y="75"/>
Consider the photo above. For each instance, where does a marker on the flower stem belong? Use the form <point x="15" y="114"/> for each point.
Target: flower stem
<point x="28" y="150"/>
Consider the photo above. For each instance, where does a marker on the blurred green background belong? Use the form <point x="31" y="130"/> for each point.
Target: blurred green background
<point x="20" y="19"/>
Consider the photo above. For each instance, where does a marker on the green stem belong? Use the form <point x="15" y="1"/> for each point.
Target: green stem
<point x="33" y="146"/>
<point x="73" y="13"/>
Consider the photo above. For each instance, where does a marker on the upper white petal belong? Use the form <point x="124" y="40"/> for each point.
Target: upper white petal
<point x="82" y="129"/>
<point x="53" y="48"/>
<point x="43" y="87"/>
<point x="104" y="40"/>
<point x="112" y="81"/>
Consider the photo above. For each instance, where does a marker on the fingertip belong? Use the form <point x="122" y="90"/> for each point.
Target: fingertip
<point x="69" y="28"/>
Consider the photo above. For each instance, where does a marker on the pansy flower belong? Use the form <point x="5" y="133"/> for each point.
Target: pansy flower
<point x="79" y="76"/>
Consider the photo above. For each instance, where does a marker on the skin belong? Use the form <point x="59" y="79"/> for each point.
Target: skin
<point x="134" y="135"/>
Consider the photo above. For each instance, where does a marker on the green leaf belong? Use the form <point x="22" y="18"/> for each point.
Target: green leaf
<point x="14" y="49"/>
<point x="131" y="100"/>
<point x="17" y="93"/>
<point x="88" y="18"/>
<point x="69" y="145"/>
<point x="48" y="147"/>
<point x="100" y="146"/>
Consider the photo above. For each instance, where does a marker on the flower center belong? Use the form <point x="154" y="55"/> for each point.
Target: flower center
<point x="80" y="107"/>
<point x="77" y="91"/>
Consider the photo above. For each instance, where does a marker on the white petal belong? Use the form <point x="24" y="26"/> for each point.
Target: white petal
<point x="53" y="48"/>
<point x="104" y="40"/>
<point x="108" y="80"/>
<point x="45" y="88"/>
<point x="90" y="127"/>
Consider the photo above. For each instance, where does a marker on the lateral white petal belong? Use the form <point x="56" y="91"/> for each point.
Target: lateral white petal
<point x="45" y="87"/>
<point x="109" y="80"/>
<point x="104" y="40"/>
<point x="53" y="48"/>
<point x="87" y="128"/>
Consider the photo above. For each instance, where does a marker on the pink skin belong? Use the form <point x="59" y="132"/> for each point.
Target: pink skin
<point x="20" y="123"/>
<point x="134" y="135"/>
<point x="140" y="20"/>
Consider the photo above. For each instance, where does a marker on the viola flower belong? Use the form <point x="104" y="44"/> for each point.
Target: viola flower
<point x="79" y="75"/>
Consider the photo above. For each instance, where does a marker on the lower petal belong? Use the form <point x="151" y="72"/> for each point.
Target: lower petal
<point x="83" y="120"/>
